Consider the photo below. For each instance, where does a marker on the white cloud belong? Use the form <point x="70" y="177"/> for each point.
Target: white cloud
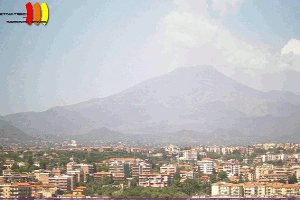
<point x="200" y="40"/>
<point x="188" y="38"/>
<point x="195" y="6"/>
<point x="292" y="46"/>
<point x="226" y="6"/>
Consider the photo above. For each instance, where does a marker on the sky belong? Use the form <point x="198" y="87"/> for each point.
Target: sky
<point x="93" y="49"/>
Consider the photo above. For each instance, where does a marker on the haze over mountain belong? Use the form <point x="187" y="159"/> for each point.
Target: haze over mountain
<point x="286" y="80"/>
<point x="197" y="99"/>
<point x="9" y="133"/>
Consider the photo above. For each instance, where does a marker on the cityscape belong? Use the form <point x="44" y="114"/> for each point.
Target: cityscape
<point x="268" y="170"/>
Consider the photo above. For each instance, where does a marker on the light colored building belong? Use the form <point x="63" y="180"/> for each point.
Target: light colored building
<point x="190" y="155"/>
<point x="206" y="165"/>
<point x="169" y="169"/>
<point x="154" y="180"/>
<point x="231" y="169"/>
<point x="16" y="190"/>
<point x="171" y="149"/>
<point x="86" y="168"/>
<point x="274" y="177"/>
<point x="64" y="182"/>
<point x="138" y="168"/>
<point x="222" y="189"/>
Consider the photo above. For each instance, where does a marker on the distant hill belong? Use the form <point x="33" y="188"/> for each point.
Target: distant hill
<point x="12" y="134"/>
<point x="2" y="121"/>
<point x="199" y="101"/>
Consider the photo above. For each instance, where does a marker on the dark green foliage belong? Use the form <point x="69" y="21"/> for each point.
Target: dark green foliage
<point x="222" y="175"/>
<point x="282" y="181"/>
<point x="292" y="179"/>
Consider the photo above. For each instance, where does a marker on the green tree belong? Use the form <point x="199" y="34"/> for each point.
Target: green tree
<point x="14" y="167"/>
<point x="213" y="178"/>
<point x="236" y="152"/>
<point x="134" y="182"/>
<point x="177" y="176"/>
<point x="43" y="164"/>
<point x="30" y="160"/>
<point x="190" y="186"/>
<point x="292" y="179"/>
<point x="63" y="162"/>
<point x="282" y="181"/>
<point x="104" y="168"/>
<point x="222" y="175"/>
<point x="80" y="183"/>
<point x="106" y="180"/>
<point x="260" y="151"/>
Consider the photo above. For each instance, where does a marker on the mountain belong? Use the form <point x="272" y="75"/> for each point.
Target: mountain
<point x="2" y="122"/>
<point x="9" y="133"/>
<point x="197" y="99"/>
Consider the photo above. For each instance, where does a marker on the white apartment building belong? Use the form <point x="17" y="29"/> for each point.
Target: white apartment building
<point x="206" y="165"/>
<point x="231" y="169"/>
<point x="190" y="155"/>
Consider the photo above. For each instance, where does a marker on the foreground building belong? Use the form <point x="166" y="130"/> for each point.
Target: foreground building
<point x="254" y="190"/>
<point x="16" y="190"/>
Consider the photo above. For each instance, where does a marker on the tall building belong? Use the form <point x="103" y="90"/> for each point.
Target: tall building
<point x="138" y="168"/>
<point x="64" y="182"/>
<point x="120" y="165"/>
<point x="231" y="169"/>
<point x="190" y="155"/>
<point x="206" y="165"/>
<point x="86" y="168"/>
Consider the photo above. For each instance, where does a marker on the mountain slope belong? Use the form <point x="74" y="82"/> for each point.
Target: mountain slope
<point x="10" y="133"/>
<point x="198" y="99"/>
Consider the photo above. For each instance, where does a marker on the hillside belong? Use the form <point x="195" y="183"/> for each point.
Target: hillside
<point x="197" y="99"/>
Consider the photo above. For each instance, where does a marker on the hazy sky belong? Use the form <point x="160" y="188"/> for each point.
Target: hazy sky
<point x="98" y="48"/>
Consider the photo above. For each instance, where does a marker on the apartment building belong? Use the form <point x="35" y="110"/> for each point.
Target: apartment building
<point x="79" y="175"/>
<point x="169" y="169"/>
<point x="154" y="180"/>
<point x="16" y="190"/>
<point x="231" y="169"/>
<point x="267" y="146"/>
<point x="190" y="155"/>
<point x="45" y="191"/>
<point x="120" y="165"/>
<point x="119" y="177"/>
<point x="98" y="175"/>
<point x="17" y="178"/>
<point x="138" y="168"/>
<point x="171" y="149"/>
<point x="64" y="182"/>
<point x="44" y="178"/>
<point x="206" y="165"/>
<point x="274" y="177"/>
<point x="271" y="190"/>
<point x="187" y="175"/>
<point x="246" y="174"/>
<point x="58" y="171"/>
<point x="222" y="189"/>
<point x="86" y="168"/>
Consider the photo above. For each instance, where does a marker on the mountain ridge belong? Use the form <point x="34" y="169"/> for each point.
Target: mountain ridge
<point x="196" y="98"/>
